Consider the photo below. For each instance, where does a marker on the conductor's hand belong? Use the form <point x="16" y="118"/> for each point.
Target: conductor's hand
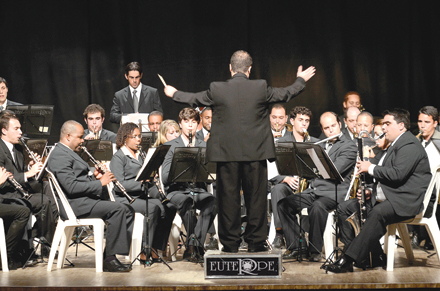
<point x="170" y="90"/>
<point x="292" y="182"/>
<point x="363" y="166"/>
<point x="35" y="169"/>
<point x="307" y="74"/>
<point x="367" y="194"/>
<point x="107" y="178"/>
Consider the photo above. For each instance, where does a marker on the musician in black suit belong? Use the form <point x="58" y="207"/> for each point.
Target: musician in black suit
<point x="88" y="195"/>
<point x="205" y="120"/>
<point x="278" y="121"/>
<point x="179" y="193"/>
<point x="350" y="117"/>
<point x="15" y="218"/>
<point x="12" y="159"/>
<point x="283" y="185"/>
<point x="135" y="98"/>
<point x="94" y="116"/>
<point x="240" y="143"/>
<point x="126" y="164"/>
<point x="402" y="176"/>
<point x="4" y="102"/>
<point x="319" y="198"/>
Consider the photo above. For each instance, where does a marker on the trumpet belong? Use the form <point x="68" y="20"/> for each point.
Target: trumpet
<point x="95" y="133"/>
<point x="163" y="198"/>
<point x="19" y="188"/>
<point x="103" y="169"/>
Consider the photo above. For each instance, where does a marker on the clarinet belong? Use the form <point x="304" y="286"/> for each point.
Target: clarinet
<point x="103" y="169"/>
<point x="163" y="198"/>
<point x="190" y="138"/>
<point x="28" y="150"/>
<point x="19" y="188"/>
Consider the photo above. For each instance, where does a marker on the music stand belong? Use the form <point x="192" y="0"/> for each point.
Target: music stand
<point x="306" y="160"/>
<point x="148" y="139"/>
<point x="148" y="171"/>
<point x="188" y="165"/>
<point x="140" y="119"/>
<point x="36" y="120"/>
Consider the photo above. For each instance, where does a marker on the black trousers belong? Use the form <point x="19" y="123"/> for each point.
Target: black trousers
<point x="378" y="217"/>
<point x="277" y="193"/>
<point x="317" y="208"/>
<point x="252" y="178"/>
<point x="205" y="202"/>
<point x="119" y="218"/>
<point x="41" y="207"/>
<point x="15" y="218"/>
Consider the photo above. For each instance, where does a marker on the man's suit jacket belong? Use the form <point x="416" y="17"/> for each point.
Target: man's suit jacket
<point x="123" y="102"/>
<point x="343" y="155"/>
<point x="346" y="133"/>
<point x="17" y="169"/>
<point x="75" y="178"/>
<point x="240" y="128"/>
<point x="172" y="188"/>
<point x="199" y="135"/>
<point x="105" y="135"/>
<point x="288" y="137"/>
<point x="125" y="168"/>
<point x="404" y="175"/>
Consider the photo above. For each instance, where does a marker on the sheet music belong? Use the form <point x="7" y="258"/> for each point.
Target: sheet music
<point x="135" y="117"/>
<point x="322" y="171"/>
<point x="150" y="153"/>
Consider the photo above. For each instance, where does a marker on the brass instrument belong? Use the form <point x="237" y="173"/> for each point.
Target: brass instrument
<point x="419" y="134"/>
<point x="278" y="133"/>
<point x="306" y="135"/>
<point x="19" y="188"/>
<point x="303" y="183"/>
<point x="163" y="198"/>
<point x="103" y="169"/>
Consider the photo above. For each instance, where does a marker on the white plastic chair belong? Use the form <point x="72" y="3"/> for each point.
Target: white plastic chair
<point x="3" y="250"/>
<point x="429" y="222"/>
<point x="65" y="229"/>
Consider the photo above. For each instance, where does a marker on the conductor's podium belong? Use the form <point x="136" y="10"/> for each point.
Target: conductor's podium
<point x="244" y="265"/>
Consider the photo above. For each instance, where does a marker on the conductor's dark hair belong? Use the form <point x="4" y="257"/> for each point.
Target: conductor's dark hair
<point x="5" y="116"/>
<point x="124" y="131"/>
<point x="241" y="61"/>
<point x="400" y="115"/>
<point x="3" y="80"/>
<point x="431" y="111"/>
<point x="94" y="108"/>
<point x="189" y="113"/>
<point x="133" y="66"/>
<point x="298" y="110"/>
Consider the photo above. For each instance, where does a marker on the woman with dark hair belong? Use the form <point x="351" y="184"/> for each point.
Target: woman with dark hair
<point x="125" y="165"/>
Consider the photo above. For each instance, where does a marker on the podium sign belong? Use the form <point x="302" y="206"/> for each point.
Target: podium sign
<point x="243" y="265"/>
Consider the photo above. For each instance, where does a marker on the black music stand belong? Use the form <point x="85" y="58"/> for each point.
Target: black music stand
<point x="101" y="150"/>
<point x="36" y="120"/>
<point x="306" y="160"/>
<point x="148" y="139"/>
<point x="148" y="171"/>
<point x="188" y="165"/>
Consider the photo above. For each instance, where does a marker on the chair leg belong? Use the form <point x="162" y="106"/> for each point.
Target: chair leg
<point x="136" y="240"/>
<point x="406" y="242"/>
<point x="3" y="250"/>
<point x="98" y="229"/>
<point x="55" y="243"/>
<point x="220" y="246"/>
<point x="65" y="240"/>
<point x="434" y="234"/>
<point x="329" y="237"/>
<point x="390" y="240"/>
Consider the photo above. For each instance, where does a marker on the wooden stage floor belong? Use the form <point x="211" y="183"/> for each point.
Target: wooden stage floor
<point x="424" y="273"/>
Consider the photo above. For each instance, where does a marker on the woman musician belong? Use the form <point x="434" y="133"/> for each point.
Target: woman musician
<point x="125" y="165"/>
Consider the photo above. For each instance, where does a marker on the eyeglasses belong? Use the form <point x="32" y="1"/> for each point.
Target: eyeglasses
<point x="135" y="136"/>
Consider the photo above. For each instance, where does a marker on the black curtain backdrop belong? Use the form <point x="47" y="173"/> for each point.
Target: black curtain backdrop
<point x="73" y="53"/>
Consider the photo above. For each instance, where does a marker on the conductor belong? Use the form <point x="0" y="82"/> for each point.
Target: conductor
<point x="240" y="143"/>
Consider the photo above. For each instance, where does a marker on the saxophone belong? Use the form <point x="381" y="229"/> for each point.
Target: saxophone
<point x="303" y="182"/>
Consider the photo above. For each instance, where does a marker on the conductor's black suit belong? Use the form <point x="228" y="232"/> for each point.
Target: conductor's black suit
<point x="240" y="142"/>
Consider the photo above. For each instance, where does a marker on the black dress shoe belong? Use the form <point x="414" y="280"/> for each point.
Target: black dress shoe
<point x="229" y="250"/>
<point x="376" y="261"/>
<point x="278" y="242"/>
<point x="315" y="257"/>
<point x="116" y="266"/>
<point x="343" y="265"/>
<point x="428" y="245"/>
<point x="257" y="248"/>
<point x="295" y="254"/>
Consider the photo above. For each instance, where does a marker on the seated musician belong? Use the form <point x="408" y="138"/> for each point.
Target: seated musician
<point x="402" y="176"/>
<point x="155" y="118"/>
<point x="278" y="121"/>
<point x="125" y="165"/>
<point x="285" y="185"/>
<point x="179" y="193"/>
<point x="168" y="130"/>
<point x="15" y="218"/>
<point x="94" y="116"/>
<point x="12" y="159"/>
<point x="319" y="198"/>
<point x="87" y="195"/>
